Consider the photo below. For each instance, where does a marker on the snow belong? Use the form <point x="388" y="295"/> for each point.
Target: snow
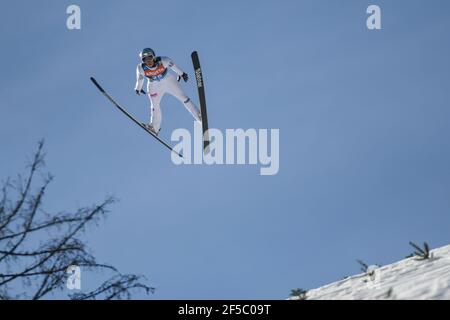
<point x="408" y="279"/>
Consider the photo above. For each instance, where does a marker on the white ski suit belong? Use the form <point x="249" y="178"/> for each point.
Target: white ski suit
<point x="160" y="82"/>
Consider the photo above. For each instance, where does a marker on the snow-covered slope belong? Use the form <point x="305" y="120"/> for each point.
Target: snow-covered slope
<point x="407" y="279"/>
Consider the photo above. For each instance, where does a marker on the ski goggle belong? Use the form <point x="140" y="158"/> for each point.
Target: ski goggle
<point x="147" y="56"/>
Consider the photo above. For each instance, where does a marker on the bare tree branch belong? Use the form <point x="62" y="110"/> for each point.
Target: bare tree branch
<point x="116" y="288"/>
<point x="35" y="204"/>
<point x="41" y="269"/>
<point x="37" y="162"/>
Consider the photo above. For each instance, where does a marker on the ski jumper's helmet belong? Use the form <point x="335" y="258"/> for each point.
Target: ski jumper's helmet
<point x="147" y="52"/>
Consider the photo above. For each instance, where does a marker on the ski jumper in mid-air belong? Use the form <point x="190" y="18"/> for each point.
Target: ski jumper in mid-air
<point x="160" y="82"/>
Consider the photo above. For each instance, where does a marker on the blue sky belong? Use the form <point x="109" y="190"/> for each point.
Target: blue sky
<point x="363" y="116"/>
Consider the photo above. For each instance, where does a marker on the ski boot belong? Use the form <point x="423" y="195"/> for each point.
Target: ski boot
<point x="150" y="128"/>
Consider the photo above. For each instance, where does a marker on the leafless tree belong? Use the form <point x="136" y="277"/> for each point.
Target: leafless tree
<point x="36" y="247"/>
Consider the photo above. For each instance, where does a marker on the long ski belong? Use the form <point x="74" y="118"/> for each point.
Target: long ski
<point x="131" y="117"/>
<point x="202" y="98"/>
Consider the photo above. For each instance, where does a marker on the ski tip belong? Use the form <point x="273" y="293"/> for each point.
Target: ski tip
<point x="96" y="84"/>
<point x="194" y="53"/>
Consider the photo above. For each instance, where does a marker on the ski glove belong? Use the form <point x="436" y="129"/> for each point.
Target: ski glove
<point x="184" y="76"/>
<point x="139" y="92"/>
